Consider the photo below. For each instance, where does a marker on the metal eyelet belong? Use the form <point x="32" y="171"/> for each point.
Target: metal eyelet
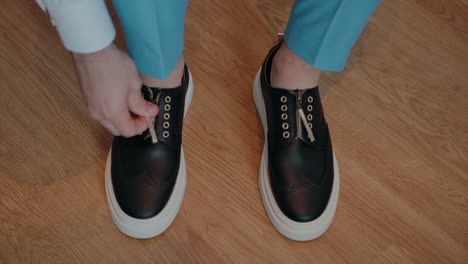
<point x="167" y="107"/>
<point x="285" y="125"/>
<point x="166" y="124"/>
<point x="284" y="108"/>
<point x="284" y="116"/>
<point x="165" y="134"/>
<point x="310" y="99"/>
<point x="309" y="117"/>
<point x="167" y="116"/>
<point x="286" y="134"/>
<point x="309" y="108"/>
<point x="284" y="99"/>
<point x="310" y="125"/>
<point x="167" y="99"/>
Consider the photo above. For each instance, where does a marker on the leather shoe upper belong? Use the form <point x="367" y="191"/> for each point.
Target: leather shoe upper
<point x="143" y="173"/>
<point x="300" y="158"/>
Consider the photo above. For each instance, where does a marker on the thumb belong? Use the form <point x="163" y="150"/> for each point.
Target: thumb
<point x="141" y="107"/>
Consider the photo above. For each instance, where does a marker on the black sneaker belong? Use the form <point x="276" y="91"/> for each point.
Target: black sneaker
<point x="145" y="182"/>
<point x="298" y="175"/>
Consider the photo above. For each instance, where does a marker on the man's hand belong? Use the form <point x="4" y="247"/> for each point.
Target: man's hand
<point x="111" y="86"/>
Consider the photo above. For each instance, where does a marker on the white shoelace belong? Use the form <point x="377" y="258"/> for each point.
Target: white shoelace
<point x="310" y="134"/>
<point x="150" y="122"/>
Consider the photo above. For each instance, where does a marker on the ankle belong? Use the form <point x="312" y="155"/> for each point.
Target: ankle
<point x="289" y="71"/>
<point x="172" y="81"/>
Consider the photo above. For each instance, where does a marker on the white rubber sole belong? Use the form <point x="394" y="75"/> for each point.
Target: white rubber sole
<point x="298" y="231"/>
<point x="151" y="227"/>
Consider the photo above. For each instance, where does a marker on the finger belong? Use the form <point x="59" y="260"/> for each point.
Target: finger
<point x="129" y="125"/>
<point x="141" y="107"/>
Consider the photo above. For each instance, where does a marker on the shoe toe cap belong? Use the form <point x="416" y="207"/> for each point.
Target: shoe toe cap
<point x="143" y="202"/>
<point x="299" y="198"/>
<point x="302" y="206"/>
<point x="143" y="185"/>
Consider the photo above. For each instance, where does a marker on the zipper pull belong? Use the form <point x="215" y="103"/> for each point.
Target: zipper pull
<point x="298" y="117"/>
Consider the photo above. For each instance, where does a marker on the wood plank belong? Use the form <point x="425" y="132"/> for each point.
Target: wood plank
<point x="398" y="115"/>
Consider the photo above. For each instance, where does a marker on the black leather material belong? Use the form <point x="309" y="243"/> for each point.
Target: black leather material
<point x="300" y="170"/>
<point x="143" y="173"/>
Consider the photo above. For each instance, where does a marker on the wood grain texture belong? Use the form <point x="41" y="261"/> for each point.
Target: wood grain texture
<point x="398" y="116"/>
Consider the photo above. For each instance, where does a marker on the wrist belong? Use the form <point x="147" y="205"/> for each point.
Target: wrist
<point x="98" y="55"/>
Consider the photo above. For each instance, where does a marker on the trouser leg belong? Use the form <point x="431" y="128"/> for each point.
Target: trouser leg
<point x="154" y="32"/>
<point x="322" y="32"/>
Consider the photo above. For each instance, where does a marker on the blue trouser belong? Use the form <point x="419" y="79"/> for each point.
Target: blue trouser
<point x="322" y="32"/>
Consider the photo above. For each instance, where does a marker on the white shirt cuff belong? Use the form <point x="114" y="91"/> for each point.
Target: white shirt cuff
<point x="84" y="26"/>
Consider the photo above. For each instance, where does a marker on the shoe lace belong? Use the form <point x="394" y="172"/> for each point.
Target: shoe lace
<point x="149" y="122"/>
<point x="308" y="127"/>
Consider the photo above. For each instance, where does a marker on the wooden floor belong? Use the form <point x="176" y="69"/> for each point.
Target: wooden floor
<point x="398" y="116"/>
